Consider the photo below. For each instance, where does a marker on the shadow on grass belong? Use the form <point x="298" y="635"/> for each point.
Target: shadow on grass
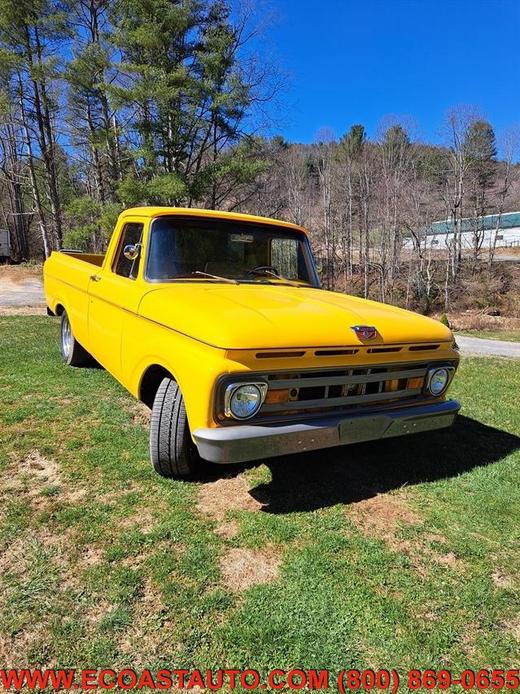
<point x="343" y="475"/>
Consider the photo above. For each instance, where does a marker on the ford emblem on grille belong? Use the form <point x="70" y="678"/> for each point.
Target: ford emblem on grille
<point x="365" y="332"/>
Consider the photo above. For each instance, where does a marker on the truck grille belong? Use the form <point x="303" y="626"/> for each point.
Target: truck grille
<point x="345" y="388"/>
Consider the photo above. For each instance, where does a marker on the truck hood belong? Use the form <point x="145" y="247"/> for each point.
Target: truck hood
<point x="249" y="316"/>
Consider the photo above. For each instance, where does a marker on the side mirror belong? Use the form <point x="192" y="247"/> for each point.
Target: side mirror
<point x="131" y="251"/>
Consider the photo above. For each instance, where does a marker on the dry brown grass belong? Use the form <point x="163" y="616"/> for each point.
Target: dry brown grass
<point x="44" y="470"/>
<point x="22" y="311"/>
<point x="228" y="494"/>
<point x="501" y="579"/>
<point x="16" y="566"/>
<point x="139" y="412"/>
<point x="513" y="627"/>
<point x="384" y="516"/>
<point x="14" y="649"/>
<point x="28" y="476"/>
<point x="515" y="250"/>
<point x="242" y="567"/>
<point x="69" y="560"/>
<point x="143" y="519"/>
<point x="479" y="320"/>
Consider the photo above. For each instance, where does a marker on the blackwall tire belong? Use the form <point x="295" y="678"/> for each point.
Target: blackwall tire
<point x="172" y="451"/>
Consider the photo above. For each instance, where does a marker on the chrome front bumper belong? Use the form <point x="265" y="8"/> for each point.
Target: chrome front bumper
<point x="237" y="444"/>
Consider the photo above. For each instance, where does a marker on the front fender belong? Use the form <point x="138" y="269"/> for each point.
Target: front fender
<point x="194" y="365"/>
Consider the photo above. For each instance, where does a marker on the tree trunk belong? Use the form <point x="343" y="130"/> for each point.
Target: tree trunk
<point x="49" y="243"/>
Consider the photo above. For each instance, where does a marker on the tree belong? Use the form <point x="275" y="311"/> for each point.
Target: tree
<point x="396" y="171"/>
<point x="92" y="119"/>
<point x="31" y="33"/>
<point x="324" y="163"/>
<point x="13" y="177"/>
<point x="349" y="156"/>
<point x="480" y="151"/>
<point x="454" y="181"/>
<point x="510" y="172"/>
<point x="182" y="75"/>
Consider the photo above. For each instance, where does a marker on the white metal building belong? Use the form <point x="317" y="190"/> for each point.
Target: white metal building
<point x="439" y="235"/>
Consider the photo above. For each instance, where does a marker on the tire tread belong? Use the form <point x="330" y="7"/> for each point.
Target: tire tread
<point x="171" y="449"/>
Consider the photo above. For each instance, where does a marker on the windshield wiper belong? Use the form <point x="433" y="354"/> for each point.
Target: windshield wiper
<point x="262" y="272"/>
<point x="207" y="274"/>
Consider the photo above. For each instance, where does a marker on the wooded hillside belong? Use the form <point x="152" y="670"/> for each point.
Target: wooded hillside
<point x="106" y="104"/>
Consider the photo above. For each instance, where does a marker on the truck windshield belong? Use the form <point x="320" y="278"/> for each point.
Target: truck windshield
<point x="213" y="250"/>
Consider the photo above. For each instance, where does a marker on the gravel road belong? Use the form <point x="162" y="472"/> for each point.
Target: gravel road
<point x="506" y="257"/>
<point x="21" y="296"/>
<point x="477" y="346"/>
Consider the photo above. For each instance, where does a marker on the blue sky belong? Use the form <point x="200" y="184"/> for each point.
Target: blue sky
<point x="357" y="61"/>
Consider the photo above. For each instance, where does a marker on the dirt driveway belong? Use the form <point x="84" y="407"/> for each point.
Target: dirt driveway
<point x="21" y="292"/>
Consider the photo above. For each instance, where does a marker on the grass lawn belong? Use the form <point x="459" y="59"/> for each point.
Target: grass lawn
<point x="510" y="335"/>
<point x="403" y="554"/>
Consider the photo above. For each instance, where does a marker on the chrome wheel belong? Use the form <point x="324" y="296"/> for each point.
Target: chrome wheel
<point x="66" y="337"/>
<point x="72" y="352"/>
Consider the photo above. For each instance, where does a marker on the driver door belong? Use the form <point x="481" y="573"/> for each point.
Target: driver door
<point x="114" y="296"/>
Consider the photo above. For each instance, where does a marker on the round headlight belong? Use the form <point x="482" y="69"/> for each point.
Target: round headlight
<point x="438" y="381"/>
<point x="245" y="400"/>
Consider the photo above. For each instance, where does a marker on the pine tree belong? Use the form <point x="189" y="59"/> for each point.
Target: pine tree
<point x="480" y="151"/>
<point x="182" y="76"/>
<point x="92" y="120"/>
<point x="157" y="40"/>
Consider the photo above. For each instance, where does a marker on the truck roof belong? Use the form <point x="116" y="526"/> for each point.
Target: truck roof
<point x="209" y="214"/>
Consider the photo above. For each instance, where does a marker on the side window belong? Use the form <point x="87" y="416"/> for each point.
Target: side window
<point x="132" y="233"/>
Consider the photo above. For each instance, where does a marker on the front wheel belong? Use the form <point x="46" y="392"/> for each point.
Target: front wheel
<point x="172" y="451"/>
<point x="72" y="352"/>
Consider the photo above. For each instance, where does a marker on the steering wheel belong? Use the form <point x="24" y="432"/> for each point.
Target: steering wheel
<point x="263" y="270"/>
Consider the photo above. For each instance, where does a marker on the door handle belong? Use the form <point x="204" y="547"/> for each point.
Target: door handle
<point x="95" y="278"/>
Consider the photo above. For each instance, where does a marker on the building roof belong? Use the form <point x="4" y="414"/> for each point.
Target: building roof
<point x="508" y="220"/>
<point x="211" y="214"/>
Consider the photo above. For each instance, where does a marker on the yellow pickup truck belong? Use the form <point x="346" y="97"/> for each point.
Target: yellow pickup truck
<point x="217" y="322"/>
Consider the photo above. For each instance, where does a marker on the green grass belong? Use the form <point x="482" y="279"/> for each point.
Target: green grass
<point x="403" y="553"/>
<point x="510" y="335"/>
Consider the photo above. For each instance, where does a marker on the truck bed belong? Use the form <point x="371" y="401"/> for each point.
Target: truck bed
<point x="91" y="258"/>
<point x="67" y="273"/>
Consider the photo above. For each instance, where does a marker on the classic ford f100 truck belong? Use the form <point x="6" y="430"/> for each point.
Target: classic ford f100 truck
<point x="217" y="322"/>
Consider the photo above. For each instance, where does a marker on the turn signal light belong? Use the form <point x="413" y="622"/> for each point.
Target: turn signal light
<point x="277" y="397"/>
<point x="414" y="383"/>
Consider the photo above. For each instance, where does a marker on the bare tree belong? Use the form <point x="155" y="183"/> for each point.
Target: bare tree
<point x="457" y="125"/>
<point x="31" y="34"/>
<point x="13" y="178"/>
<point x="324" y="165"/>
<point x="510" y="145"/>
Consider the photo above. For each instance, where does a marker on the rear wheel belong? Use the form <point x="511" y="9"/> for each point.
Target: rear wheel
<point x="172" y="451"/>
<point x="72" y="352"/>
